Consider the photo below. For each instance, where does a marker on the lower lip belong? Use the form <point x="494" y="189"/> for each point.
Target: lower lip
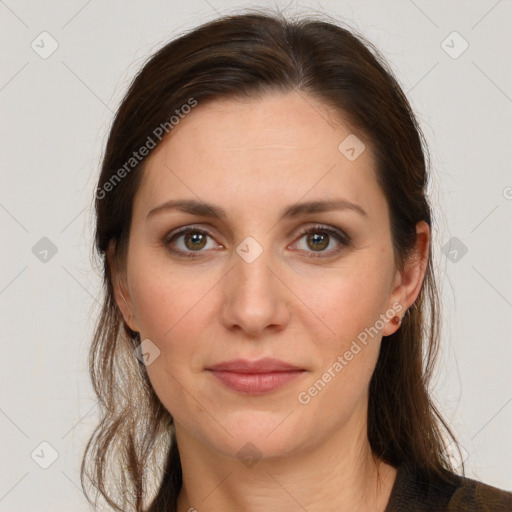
<point x="256" y="383"/>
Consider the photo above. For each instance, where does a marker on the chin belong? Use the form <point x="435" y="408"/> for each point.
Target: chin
<point x="260" y="435"/>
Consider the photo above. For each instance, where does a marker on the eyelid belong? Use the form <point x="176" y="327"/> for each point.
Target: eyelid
<point x="327" y="228"/>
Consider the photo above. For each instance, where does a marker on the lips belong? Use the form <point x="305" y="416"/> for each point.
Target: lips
<point x="255" y="377"/>
<point x="266" y="365"/>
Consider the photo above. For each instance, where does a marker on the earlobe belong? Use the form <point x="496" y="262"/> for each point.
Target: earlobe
<point x="394" y="323"/>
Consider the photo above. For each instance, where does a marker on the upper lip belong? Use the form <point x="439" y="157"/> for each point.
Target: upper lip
<point x="265" y="365"/>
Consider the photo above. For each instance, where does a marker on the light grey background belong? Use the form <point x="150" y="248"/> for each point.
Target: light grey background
<point x="56" y="112"/>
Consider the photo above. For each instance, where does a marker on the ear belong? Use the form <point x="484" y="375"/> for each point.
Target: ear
<point x="409" y="280"/>
<point x="121" y="294"/>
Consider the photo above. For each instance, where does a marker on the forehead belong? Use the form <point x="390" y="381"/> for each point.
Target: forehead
<point x="260" y="153"/>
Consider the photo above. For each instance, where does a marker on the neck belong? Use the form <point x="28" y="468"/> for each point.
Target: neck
<point x="337" y="474"/>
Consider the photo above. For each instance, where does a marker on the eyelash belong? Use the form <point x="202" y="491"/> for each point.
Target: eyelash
<point x="342" y="238"/>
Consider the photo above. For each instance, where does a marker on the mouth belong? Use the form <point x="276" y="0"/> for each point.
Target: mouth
<point x="255" y="377"/>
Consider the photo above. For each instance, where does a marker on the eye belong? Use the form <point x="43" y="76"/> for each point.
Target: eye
<point x="190" y="241"/>
<point x="319" y="238"/>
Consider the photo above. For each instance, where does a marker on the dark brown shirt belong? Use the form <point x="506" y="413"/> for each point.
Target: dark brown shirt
<point x="411" y="493"/>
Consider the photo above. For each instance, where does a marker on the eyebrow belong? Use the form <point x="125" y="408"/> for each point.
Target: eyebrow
<point x="203" y="209"/>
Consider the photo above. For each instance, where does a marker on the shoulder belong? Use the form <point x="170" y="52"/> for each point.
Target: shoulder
<point x="412" y="492"/>
<point x="473" y="495"/>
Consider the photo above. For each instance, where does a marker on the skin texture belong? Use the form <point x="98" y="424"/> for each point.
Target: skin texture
<point x="253" y="158"/>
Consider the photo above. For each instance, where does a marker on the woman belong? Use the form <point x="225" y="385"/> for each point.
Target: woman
<point x="269" y="292"/>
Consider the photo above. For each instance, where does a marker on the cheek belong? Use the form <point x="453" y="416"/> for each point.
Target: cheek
<point x="172" y="312"/>
<point x="165" y="295"/>
<point x="347" y="300"/>
<point x="350" y="306"/>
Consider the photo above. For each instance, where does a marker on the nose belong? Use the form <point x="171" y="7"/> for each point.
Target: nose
<point x="255" y="297"/>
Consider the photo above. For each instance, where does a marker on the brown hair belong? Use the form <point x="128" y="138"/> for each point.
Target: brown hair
<point x="248" y="55"/>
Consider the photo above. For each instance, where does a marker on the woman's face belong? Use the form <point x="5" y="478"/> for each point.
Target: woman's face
<point x="249" y="282"/>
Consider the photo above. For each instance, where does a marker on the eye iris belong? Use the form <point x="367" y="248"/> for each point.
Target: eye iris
<point x="320" y="241"/>
<point x="198" y="240"/>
